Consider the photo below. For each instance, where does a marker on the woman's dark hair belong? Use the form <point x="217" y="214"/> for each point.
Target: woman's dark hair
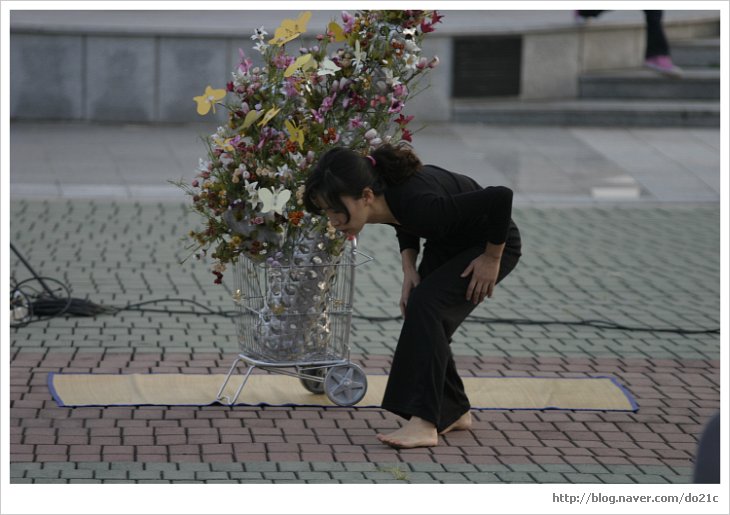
<point x="341" y="171"/>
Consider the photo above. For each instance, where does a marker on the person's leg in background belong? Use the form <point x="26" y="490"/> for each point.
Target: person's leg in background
<point x="657" y="48"/>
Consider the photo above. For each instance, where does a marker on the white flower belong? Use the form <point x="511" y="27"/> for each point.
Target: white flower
<point x="261" y="46"/>
<point x="372" y="133"/>
<point x="259" y="33"/>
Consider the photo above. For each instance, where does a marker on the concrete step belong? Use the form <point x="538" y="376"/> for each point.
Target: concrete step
<point x="697" y="84"/>
<point x="700" y="53"/>
<point x="589" y="112"/>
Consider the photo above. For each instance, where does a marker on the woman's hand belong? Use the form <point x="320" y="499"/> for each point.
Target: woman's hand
<point x="484" y="271"/>
<point x="411" y="278"/>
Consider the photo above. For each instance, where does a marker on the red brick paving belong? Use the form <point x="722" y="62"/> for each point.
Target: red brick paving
<point x="675" y="399"/>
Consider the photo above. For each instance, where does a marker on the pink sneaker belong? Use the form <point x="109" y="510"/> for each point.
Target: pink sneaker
<point x="663" y="64"/>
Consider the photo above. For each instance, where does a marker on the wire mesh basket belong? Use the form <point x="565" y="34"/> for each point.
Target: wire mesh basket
<point x="295" y="320"/>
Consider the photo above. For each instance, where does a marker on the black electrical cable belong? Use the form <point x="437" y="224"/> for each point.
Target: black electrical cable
<point x="48" y="304"/>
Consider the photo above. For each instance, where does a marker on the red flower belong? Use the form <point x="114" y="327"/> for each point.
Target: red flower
<point x="407" y="135"/>
<point x="218" y="278"/>
<point x="229" y="86"/>
<point x="403" y="120"/>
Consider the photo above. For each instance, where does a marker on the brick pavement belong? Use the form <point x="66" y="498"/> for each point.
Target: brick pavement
<point x="624" y="264"/>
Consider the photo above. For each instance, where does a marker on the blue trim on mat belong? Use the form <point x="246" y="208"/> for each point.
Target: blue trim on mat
<point x="629" y="396"/>
<point x="54" y="393"/>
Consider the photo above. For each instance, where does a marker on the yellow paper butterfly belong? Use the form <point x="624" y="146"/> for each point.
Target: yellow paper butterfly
<point x="304" y="62"/>
<point x="269" y="115"/>
<point x="207" y="100"/>
<point x="296" y="134"/>
<point x="290" y="29"/>
<point x="251" y="117"/>
<point x="336" y="31"/>
<point x="225" y="144"/>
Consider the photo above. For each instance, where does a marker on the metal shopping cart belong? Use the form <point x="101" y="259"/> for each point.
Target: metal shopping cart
<point x="295" y="320"/>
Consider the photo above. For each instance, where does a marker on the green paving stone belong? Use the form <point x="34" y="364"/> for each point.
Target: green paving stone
<point x="226" y="481"/>
<point x="659" y="470"/>
<point x="153" y="481"/>
<point x="129" y="466"/>
<point x="460" y="467"/>
<point x="421" y="477"/>
<point x="347" y="476"/>
<point x="177" y="475"/>
<point x="246" y="476"/>
<point x="323" y="481"/>
<point x="526" y="467"/>
<point x="77" y="474"/>
<point x="649" y="478"/>
<point x="280" y="475"/>
<point x="25" y="466"/>
<point x="85" y="481"/>
<point x="378" y="476"/>
<point x="294" y="466"/>
<point x="145" y="474"/>
<point x="582" y="478"/>
<point x="326" y="467"/>
<point x="50" y="481"/>
<point x="557" y="467"/>
<point x="313" y="475"/>
<point x="624" y="469"/>
<point x="448" y="477"/>
<point x="94" y="465"/>
<point x="205" y="476"/>
<point x="616" y="479"/>
<point x="162" y="467"/>
<point x="44" y="474"/>
<point x="260" y="466"/>
<point x="110" y="474"/>
<point x="20" y="481"/>
<point x="515" y="477"/>
<point x="60" y="466"/>
<point x="226" y="467"/>
<point x="426" y="467"/>
<point x="194" y="467"/>
<point x="549" y="477"/>
<point x="591" y="469"/>
<point x="360" y="467"/>
<point x="482" y="477"/>
<point x="491" y="467"/>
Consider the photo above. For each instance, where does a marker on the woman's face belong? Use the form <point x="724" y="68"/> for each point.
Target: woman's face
<point x="358" y="209"/>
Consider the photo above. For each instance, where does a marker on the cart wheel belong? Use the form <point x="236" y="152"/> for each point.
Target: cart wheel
<point x="345" y="384"/>
<point x="310" y="384"/>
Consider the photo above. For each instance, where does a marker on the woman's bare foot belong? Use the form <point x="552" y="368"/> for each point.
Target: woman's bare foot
<point x="463" y="422"/>
<point x="416" y="433"/>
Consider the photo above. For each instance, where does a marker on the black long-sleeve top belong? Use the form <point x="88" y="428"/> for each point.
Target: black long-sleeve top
<point x="451" y="211"/>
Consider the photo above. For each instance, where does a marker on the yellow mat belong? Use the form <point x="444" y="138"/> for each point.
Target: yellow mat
<point x="594" y="393"/>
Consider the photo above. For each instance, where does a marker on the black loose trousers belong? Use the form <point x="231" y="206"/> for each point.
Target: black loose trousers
<point x="457" y="218"/>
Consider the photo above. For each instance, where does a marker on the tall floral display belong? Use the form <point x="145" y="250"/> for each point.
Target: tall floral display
<point x="348" y="88"/>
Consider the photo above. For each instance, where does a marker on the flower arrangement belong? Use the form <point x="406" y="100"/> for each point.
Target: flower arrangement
<point x="349" y="88"/>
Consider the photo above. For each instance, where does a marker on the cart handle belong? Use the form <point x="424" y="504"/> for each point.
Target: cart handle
<point x="356" y="253"/>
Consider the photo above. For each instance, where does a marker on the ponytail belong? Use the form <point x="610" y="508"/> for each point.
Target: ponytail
<point x="394" y="164"/>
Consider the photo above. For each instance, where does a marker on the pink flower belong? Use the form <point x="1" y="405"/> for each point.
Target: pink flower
<point x="195" y="183"/>
<point x="396" y="106"/>
<point x="245" y="65"/>
<point x="356" y="122"/>
<point x="400" y="90"/>
<point x="258" y="220"/>
<point x="290" y="87"/>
